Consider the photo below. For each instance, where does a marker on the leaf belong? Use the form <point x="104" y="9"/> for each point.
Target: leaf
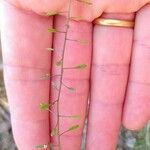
<point x="46" y="76"/>
<point x="52" y="30"/>
<point x="41" y="146"/>
<point x="51" y="13"/>
<point x="44" y="106"/>
<point x="85" y="1"/>
<point x="78" y="18"/>
<point x="73" y="117"/>
<point x="81" y="66"/>
<point x="82" y="41"/>
<point x="54" y="132"/>
<point x="59" y="63"/>
<point x="71" y="89"/>
<point x="73" y="128"/>
<point x="50" y="49"/>
<point x="55" y="13"/>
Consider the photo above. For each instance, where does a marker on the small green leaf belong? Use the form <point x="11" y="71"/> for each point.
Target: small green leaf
<point x="46" y="76"/>
<point x="41" y="146"/>
<point x="59" y="63"/>
<point x="76" y="18"/>
<point x="51" y="13"/>
<point x="54" y="132"/>
<point x="81" y="66"/>
<point x="73" y="117"/>
<point x="85" y="1"/>
<point x="73" y="128"/>
<point x="82" y="41"/>
<point x="50" y="49"/>
<point x="52" y="30"/>
<point x="71" y="89"/>
<point x="44" y="106"/>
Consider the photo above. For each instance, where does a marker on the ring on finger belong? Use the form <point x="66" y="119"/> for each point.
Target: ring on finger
<point x="114" y="22"/>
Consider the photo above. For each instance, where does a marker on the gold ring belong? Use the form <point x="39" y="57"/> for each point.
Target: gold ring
<point x="114" y="22"/>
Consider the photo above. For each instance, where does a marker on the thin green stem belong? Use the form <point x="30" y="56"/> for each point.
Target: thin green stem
<point x="70" y="68"/>
<point x="52" y="112"/>
<point x="63" y="132"/>
<point x="48" y="76"/>
<point x="72" y="40"/>
<point x="62" y="71"/>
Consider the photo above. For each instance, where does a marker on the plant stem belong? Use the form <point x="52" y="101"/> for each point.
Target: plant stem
<point x="62" y="71"/>
<point x="63" y="132"/>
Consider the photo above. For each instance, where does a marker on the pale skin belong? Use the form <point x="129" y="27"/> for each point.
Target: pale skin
<point x="118" y="69"/>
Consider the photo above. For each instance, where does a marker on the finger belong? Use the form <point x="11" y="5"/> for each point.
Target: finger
<point x="125" y="6"/>
<point x="110" y="65"/>
<point x="24" y="42"/>
<point x="71" y="102"/>
<point x="137" y="104"/>
<point x="38" y="6"/>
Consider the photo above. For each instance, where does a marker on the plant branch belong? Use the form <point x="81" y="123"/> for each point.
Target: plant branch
<point x="62" y="71"/>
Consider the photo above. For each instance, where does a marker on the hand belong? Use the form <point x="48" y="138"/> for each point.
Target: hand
<point x="81" y="8"/>
<point x="112" y="48"/>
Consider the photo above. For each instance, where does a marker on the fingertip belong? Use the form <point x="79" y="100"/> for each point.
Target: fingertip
<point x="134" y="124"/>
<point x="135" y="113"/>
